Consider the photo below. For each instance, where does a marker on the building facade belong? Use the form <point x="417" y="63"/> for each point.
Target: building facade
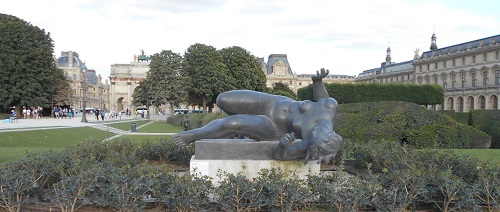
<point x="86" y="86"/>
<point x="469" y="72"/>
<point x="278" y="69"/>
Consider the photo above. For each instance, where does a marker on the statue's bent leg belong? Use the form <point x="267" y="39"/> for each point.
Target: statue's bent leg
<point x="253" y="126"/>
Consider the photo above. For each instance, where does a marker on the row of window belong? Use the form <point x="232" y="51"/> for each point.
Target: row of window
<point x="464" y="79"/>
<point x="463" y="62"/>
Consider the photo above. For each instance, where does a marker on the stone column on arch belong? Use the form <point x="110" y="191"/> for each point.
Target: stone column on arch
<point x="129" y="93"/>
<point x="113" y="100"/>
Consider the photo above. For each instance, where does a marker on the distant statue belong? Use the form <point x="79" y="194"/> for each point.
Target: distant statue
<point x="186" y="124"/>
<point x="417" y="54"/>
<point x="267" y="117"/>
<point x="135" y="58"/>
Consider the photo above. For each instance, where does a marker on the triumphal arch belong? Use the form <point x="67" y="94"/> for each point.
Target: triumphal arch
<point x="124" y="78"/>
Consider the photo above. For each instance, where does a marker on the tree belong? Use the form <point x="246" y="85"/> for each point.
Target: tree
<point x="168" y="82"/>
<point x="280" y="88"/>
<point x="244" y="68"/>
<point x="63" y="94"/>
<point x="27" y="66"/>
<point x="208" y="74"/>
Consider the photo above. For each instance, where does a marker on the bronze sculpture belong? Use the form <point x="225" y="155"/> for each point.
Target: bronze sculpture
<point x="262" y="116"/>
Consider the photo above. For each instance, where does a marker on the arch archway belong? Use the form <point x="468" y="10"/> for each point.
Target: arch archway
<point x="119" y="104"/>
<point x="460" y="102"/>
<point x="482" y="102"/>
<point x="450" y="104"/>
<point x="469" y="104"/>
<point x="493" y="103"/>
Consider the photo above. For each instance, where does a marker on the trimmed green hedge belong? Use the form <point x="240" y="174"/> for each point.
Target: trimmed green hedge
<point x="407" y="123"/>
<point x="427" y="94"/>
<point x="487" y="121"/>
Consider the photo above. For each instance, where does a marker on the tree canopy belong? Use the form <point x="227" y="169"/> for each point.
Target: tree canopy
<point x="244" y="69"/>
<point x="209" y="76"/>
<point x="168" y="83"/>
<point x="27" y="66"/>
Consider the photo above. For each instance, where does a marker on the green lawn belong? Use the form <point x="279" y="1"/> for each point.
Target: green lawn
<point x="127" y="125"/>
<point x="488" y="155"/>
<point x="160" y="127"/>
<point x="144" y="138"/>
<point x="13" y="145"/>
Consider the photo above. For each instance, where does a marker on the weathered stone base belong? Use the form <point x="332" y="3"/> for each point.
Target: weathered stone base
<point x="243" y="155"/>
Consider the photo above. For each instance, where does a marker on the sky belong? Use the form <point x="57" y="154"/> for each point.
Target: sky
<point x="346" y="37"/>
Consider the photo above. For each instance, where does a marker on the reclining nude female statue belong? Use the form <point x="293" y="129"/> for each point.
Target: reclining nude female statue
<point x="267" y="117"/>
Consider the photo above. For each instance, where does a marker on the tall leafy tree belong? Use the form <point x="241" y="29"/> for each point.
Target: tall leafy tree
<point x="27" y="66"/>
<point x="168" y="82"/>
<point x="208" y="74"/>
<point x="244" y="68"/>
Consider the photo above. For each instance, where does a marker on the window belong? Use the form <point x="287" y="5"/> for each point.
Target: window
<point x="497" y="55"/>
<point x="420" y="68"/>
<point x="444" y="82"/>
<point x="408" y="77"/>
<point x="474" y="79"/>
<point x="453" y="62"/>
<point x="428" y="67"/>
<point x="463" y="81"/>
<point x="485" y="78"/>
<point x="435" y="66"/>
<point x="485" y="58"/>
<point x="473" y="59"/>
<point x="497" y="77"/>
<point x="427" y="80"/>
<point x="436" y="80"/>
<point x="444" y="64"/>
<point x="463" y="61"/>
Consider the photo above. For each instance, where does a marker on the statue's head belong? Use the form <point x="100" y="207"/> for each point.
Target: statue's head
<point x="324" y="146"/>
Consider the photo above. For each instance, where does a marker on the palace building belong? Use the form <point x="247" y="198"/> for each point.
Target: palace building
<point x="86" y="86"/>
<point x="469" y="72"/>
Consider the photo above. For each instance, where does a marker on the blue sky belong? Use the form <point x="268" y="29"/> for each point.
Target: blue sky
<point x="346" y="37"/>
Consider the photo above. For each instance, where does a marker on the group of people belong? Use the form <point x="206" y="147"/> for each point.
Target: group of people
<point x="33" y="112"/>
<point x="101" y="113"/>
<point x="63" y="113"/>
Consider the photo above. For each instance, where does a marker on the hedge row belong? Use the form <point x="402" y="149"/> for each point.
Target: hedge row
<point x="115" y="176"/>
<point x="487" y="121"/>
<point x="427" y="94"/>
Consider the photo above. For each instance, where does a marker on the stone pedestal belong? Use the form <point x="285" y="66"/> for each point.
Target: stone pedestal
<point x="243" y="155"/>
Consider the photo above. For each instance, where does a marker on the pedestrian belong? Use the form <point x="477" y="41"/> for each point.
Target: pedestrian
<point x="103" y="113"/>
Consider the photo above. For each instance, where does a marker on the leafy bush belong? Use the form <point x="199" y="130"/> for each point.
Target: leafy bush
<point x="165" y="151"/>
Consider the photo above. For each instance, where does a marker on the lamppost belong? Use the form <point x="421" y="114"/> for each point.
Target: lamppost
<point x="147" y="101"/>
<point x="84" y="99"/>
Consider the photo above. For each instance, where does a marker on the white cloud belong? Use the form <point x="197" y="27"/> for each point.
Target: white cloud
<point x="346" y="37"/>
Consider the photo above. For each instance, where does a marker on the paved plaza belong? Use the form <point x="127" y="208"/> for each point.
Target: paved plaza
<point x="52" y="123"/>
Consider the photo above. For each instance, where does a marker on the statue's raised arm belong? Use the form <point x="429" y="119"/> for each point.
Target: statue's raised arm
<point x="319" y="89"/>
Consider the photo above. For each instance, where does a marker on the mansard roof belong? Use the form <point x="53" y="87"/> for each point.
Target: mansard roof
<point x="273" y="59"/>
<point x="63" y="61"/>
<point x="462" y="46"/>
<point x="399" y="66"/>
